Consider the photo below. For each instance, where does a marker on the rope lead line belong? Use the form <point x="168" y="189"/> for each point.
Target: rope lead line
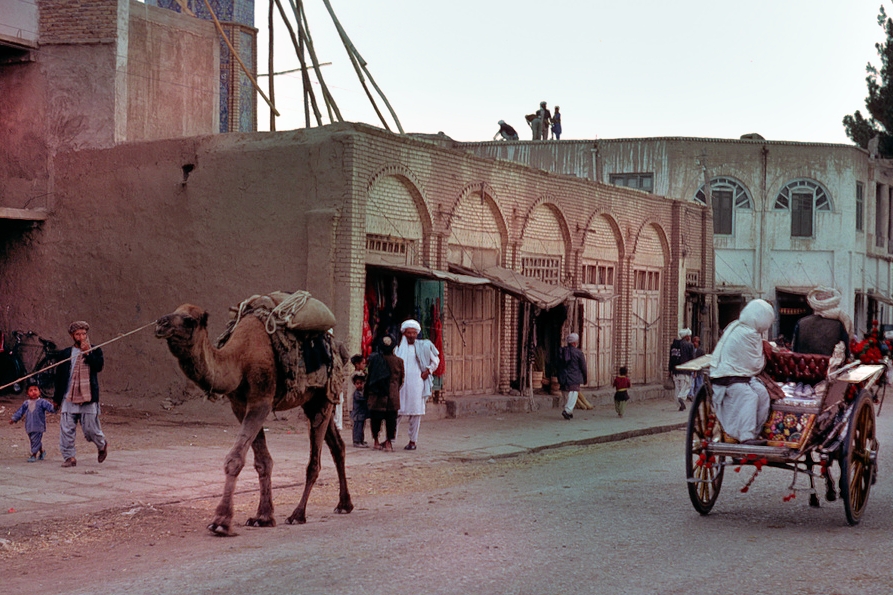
<point x="59" y="363"/>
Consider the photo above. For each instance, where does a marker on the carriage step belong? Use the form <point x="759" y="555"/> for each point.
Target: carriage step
<point x="740" y="450"/>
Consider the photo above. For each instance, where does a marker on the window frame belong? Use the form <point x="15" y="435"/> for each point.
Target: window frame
<point x="790" y="198"/>
<point x="639" y="177"/>
<point x="740" y="199"/>
<point x="860" y="206"/>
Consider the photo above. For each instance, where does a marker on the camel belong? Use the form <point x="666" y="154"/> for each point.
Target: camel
<point x="244" y="370"/>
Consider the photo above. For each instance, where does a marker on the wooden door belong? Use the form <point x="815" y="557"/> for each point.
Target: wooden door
<point x="470" y="341"/>
<point x="645" y="365"/>
<point x="597" y="341"/>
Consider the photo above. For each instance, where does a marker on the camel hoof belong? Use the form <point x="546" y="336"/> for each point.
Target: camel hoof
<point x="259" y="522"/>
<point x="344" y="509"/>
<point x="220" y="530"/>
<point x="296" y="520"/>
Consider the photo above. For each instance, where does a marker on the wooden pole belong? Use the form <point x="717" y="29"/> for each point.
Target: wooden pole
<point x="355" y="55"/>
<point x="304" y="28"/>
<point x="270" y="68"/>
<point x="238" y="59"/>
<point x="304" y="76"/>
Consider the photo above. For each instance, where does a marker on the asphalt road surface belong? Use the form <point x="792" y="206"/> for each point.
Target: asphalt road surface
<point x="605" y="519"/>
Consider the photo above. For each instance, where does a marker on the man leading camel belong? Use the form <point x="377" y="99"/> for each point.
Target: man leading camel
<point x="420" y="359"/>
<point x="77" y="391"/>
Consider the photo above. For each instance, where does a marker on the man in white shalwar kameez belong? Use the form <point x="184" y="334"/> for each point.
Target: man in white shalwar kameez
<point x="420" y="359"/>
<point x="742" y="401"/>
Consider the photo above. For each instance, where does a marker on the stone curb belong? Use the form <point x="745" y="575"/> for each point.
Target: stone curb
<point x="582" y="442"/>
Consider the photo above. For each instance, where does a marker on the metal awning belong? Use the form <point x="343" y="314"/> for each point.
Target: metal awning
<point x="795" y="289"/>
<point x="426" y="273"/>
<point x="538" y="293"/>
<point x="876" y="295"/>
<point x="722" y="290"/>
<point x="594" y="295"/>
<point x="23" y="214"/>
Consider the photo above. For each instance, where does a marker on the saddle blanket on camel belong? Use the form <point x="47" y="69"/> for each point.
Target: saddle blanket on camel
<point x="307" y="355"/>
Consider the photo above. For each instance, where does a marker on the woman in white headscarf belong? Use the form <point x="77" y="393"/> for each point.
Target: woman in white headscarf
<point x="742" y="401"/>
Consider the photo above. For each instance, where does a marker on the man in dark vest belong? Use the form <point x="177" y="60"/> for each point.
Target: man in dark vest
<point x="828" y="326"/>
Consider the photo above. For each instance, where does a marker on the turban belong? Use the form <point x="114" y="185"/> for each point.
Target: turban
<point x="825" y="301"/>
<point x="686" y="332"/>
<point x="573" y="338"/>
<point x="410" y="324"/>
<point x="821" y="299"/>
<point x="78" y="325"/>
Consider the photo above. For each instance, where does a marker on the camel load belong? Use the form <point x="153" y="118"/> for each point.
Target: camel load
<point x="307" y="356"/>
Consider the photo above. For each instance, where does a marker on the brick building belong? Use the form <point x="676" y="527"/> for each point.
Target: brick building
<point x="118" y="202"/>
<point x="359" y="217"/>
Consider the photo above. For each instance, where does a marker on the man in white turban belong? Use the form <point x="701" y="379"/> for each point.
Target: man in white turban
<point x="420" y="359"/>
<point x="742" y="401"/>
<point x="828" y="326"/>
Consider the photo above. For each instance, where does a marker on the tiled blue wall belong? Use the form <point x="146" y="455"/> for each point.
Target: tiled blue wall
<point x="232" y="11"/>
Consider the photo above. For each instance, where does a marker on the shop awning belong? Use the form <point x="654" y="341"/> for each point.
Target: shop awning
<point x="23" y="214"/>
<point x="594" y="295"/>
<point x="426" y="273"/>
<point x="722" y="290"/>
<point x="536" y="292"/>
<point x="795" y="289"/>
<point x="876" y="295"/>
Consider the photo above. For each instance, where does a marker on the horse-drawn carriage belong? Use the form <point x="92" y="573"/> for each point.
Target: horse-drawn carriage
<point x="824" y="417"/>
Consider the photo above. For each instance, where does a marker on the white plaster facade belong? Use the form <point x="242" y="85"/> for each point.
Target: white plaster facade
<point x="844" y="240"/>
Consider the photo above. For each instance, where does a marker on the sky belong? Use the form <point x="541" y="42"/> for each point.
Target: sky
<point x="786" y="69"/>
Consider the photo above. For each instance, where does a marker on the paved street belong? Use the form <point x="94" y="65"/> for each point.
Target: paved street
<point x="579" y="518"/>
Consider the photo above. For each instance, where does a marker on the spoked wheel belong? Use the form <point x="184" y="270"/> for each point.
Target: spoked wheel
<point x="703" y="471"/>
<point x="858" y="459"/>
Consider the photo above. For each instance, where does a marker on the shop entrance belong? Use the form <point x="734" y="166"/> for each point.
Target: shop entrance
<point x="392" y="297"/>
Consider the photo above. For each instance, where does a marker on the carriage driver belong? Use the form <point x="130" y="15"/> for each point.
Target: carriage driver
<point x="742" y="401"/>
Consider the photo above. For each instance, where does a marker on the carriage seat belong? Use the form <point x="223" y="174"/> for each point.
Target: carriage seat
<point x="787" y="366"/>
<point x="790" y="421"/>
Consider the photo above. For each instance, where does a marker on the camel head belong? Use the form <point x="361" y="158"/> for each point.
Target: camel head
<point x="181" y="324"/>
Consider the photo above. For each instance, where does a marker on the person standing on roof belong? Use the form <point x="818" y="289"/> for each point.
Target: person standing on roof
<point x="556" y="124"/>
<point x="545" y="118"/>
<point x="506" y="131"/>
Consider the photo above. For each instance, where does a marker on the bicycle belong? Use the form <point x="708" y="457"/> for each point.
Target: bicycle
<point x="29" y="353"/>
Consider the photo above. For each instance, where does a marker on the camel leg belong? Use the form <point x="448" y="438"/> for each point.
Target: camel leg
<point x="338" y="450"/>
<point x="252" y="423"/>
<point x="320" y="417"/>
<point x="263" y="463"/>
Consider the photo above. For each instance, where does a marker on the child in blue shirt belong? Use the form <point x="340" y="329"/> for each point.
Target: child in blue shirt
<point x="360" y="412"/>
<point x="34" y="411"/>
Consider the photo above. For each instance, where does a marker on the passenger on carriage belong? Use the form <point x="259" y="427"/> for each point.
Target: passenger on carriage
<point x="828" y="326"/>
<point x="741" y="400"/>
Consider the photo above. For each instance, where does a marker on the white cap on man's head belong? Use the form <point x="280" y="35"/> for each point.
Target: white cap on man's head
<point x="683" y="333"/>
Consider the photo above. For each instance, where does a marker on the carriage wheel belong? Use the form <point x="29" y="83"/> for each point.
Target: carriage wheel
<point x="704" y="476"/>
<point x="858" y="459"/>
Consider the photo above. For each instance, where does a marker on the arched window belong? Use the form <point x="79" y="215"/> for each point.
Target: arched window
<point x="802" y="198"/>
<point x="728" y="194"/>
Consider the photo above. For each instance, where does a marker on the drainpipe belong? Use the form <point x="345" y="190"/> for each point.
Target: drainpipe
<point x="764" y="208"/>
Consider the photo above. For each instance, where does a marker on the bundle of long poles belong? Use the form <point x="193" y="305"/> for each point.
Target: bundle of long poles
<point x="299" y="31"/>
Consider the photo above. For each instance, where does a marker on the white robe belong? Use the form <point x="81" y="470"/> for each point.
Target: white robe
<point x="415" y="392"/>
<point x="743" y="408"/>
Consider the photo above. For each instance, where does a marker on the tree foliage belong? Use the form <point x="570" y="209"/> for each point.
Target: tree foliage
<point x="879" y="102"/>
